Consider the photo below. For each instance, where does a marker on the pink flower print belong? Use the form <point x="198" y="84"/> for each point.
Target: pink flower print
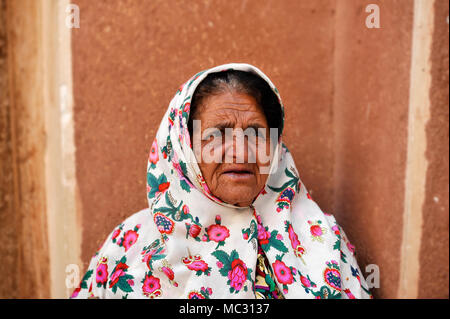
<point x="194" y="230"/>
<point x="237" y="274"/>
<point x="218" y="233"/>
<point x="219" y="265"/>
<point x="245" y="235"/>
<point x="187" y="107"/>
<point x="316" y="230"/>
<point x="169" y="272"/>
<point x="305" y="281"/>
<point x="198" y="265"/>
<point x="101" y="274"/>
<point x="351" y="247"/>
<point x="153" y="156"/>
<point x="119" y="272"/>
<point x="115" y="234"/>
<point x="279" y="237"/>
<point x="148" y="257"/>
<point x="263" y="235"/>
<point x="335" y="228"/>
<point x="177" y="166"/>
<point x="130" y="282"/>
<point x="195" y="295"/>
<point x="332" y="275"/>
<point x="282" y="272"/>
<point x="293" y="237"/>
<point x="151" y="286"/>
<point x="349" y="294"/>
<point x="75" y="292"/>
<point x="185" y="210"/>
<point x="129" y="239"/>
<point x="195" y="263"/>
<point x="299" y="250"/>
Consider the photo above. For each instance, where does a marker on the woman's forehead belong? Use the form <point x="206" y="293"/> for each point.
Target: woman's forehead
<point x="229" y="102"/>
<point x="226" y="109"/>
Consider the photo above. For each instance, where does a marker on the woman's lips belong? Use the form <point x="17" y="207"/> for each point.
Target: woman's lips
<point x="238" y="174"/>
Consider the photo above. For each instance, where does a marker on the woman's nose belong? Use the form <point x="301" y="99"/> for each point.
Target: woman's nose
<point x="238" y="149"/>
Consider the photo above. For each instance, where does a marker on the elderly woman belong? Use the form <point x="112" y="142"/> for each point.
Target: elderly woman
<point x="228" y="216"/>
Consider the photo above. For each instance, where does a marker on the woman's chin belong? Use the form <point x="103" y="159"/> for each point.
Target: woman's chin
<point x="240" y="196"/>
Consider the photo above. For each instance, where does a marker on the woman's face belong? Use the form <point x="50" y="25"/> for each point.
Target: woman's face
<point x="234" y="175"/>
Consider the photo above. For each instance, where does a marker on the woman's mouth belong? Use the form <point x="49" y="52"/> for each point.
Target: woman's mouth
<point x="238" y="174"/>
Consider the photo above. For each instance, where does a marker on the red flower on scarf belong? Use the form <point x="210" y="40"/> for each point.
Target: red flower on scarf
<point x="305" y="281"/>
<point x="163" y="187"/>
<point x="169" y="272"/>
<point x="263" y="235"/>
<point x="115" y="234"/>
<point x="101" y="276"/>
<point x="194" y="230"/>
<point x="237" y="274"/>
<point x="153" y="156"/>
<point x="118" y="272"/>
<point x="282" y="272"/>
<point x="151" y="286"/>
<point x="316" y="230"/>
<point x="129" y="239"/>
<point x="218" y="233"/>
<point x="195" y="263"/>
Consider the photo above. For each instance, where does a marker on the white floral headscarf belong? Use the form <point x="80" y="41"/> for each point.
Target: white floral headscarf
<point x="189" y="244"/>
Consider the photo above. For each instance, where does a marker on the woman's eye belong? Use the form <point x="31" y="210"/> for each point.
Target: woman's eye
<point x="211" y="134"/>
<point x="217" y="133"/>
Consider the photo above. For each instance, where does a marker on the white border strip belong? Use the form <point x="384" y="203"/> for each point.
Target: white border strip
<point x="416" y="164"/>
<point x="64" y="227"/>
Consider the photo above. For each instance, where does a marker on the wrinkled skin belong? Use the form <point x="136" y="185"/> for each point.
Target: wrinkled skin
<point x="237" y="178"/>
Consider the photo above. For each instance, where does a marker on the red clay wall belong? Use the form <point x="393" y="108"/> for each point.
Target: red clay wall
<point x="372" y="68"/>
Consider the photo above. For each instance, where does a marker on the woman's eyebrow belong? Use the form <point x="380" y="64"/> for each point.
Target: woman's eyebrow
<point x="223" y="125"/>
<point x="228" y="124"/>
<point x="256" y="125"/>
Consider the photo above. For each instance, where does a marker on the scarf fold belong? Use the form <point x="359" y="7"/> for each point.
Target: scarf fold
<point x="189" y="244"/>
